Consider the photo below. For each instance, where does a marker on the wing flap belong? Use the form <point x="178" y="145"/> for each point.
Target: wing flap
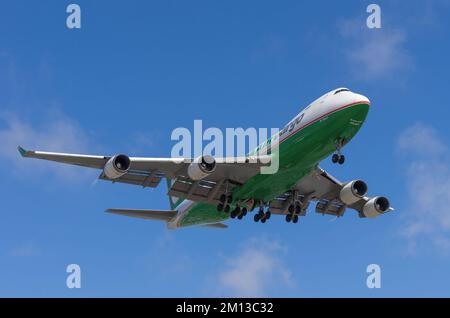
<point x="146" y="180"/>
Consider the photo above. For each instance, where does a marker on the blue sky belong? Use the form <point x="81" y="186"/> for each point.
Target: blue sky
<point x="137" y="70"/>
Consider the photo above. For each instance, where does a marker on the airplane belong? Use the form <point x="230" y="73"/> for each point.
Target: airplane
<point x="207" y="191"/>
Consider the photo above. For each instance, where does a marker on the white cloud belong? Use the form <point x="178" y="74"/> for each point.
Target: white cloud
<point x="25" y="250"/>
<point x="373" y="53"/>
<point x="254" y="271"/>
<point x="428" y="182"/>
<point x="421" y="140"/>
<point x="142" y="142"/>
<point x="58" y="133"/>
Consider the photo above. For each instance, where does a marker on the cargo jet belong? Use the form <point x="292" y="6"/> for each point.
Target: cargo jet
<point x="207" y="191"/>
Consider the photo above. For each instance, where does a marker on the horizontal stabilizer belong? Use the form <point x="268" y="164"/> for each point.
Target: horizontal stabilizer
<point x="146" y="214"/>
<point x="216" y="225"/>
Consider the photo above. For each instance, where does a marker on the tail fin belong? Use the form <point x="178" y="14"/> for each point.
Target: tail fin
<point x="173" y="201"/>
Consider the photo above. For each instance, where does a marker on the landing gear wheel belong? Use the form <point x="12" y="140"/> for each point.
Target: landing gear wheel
<point x="220" y="207"/>
<point x="341" y="159"/>
<point x="222" y="198"/>
<point x="263" y="220"/>
<point x="335" y="158"/>
<point x="227" y="208"/>
<point x="291" y="209"/>
<point x="288" y="218"/>
<point x="240" y="216"/>
<point x="236" y="212"/>
<point x="257" y="217"/>
<point x="267" y="216"/>
<point x="298" y="209"/>
<point x="295" y="219"/>
<point x="244" y="211"/>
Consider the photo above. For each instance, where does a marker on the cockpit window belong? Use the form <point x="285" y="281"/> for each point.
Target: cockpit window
<point x="341" y="90"/>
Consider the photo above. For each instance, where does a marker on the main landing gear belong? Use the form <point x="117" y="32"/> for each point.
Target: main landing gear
<point x="297" y="207"/>
<point x="294" y="211"/>
<point x="239" y="212"/>
<point x="224" y="204"/>
<point x="292" y="218"/>
<point x="261" y="215"/>
<point x="338" y="157"/>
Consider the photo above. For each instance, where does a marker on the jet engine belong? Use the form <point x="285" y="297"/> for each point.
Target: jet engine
<point x="353" y="191"/>
<point x="116" y="166"/>
<point x="375" y="207"/>
<point x="201" y="167"/>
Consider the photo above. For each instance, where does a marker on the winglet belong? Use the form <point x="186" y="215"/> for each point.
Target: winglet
<point x="23" y="152"/>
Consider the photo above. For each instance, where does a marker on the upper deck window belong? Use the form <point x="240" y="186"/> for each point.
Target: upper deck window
<point x="341" y="90"/>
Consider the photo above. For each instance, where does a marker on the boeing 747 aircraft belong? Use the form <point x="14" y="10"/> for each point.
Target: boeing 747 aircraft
<point x="207" y="191"/>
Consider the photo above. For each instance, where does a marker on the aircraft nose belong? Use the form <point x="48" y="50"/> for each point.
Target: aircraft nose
<point x="361" y="98"/>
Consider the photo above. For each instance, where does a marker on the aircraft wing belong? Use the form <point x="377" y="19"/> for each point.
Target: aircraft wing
<point x="148" y="172"/>
<point x="323" y="189"/>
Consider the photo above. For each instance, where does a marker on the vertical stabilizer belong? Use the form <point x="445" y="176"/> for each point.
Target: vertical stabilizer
<point x="173" y="201"/>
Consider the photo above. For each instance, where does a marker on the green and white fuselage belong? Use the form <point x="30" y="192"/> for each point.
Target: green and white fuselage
<point x="307" y="139"/>
<point x="216" y="189"/>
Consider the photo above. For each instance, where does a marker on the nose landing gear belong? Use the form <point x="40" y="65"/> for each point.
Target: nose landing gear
<point x="338" y="157"/>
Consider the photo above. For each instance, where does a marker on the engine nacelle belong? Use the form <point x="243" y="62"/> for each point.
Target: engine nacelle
<point x="116" y="166"/>
<point x="201" y="167"/>
<point x="375" y="207"/>
<point x="353" y="191"/>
